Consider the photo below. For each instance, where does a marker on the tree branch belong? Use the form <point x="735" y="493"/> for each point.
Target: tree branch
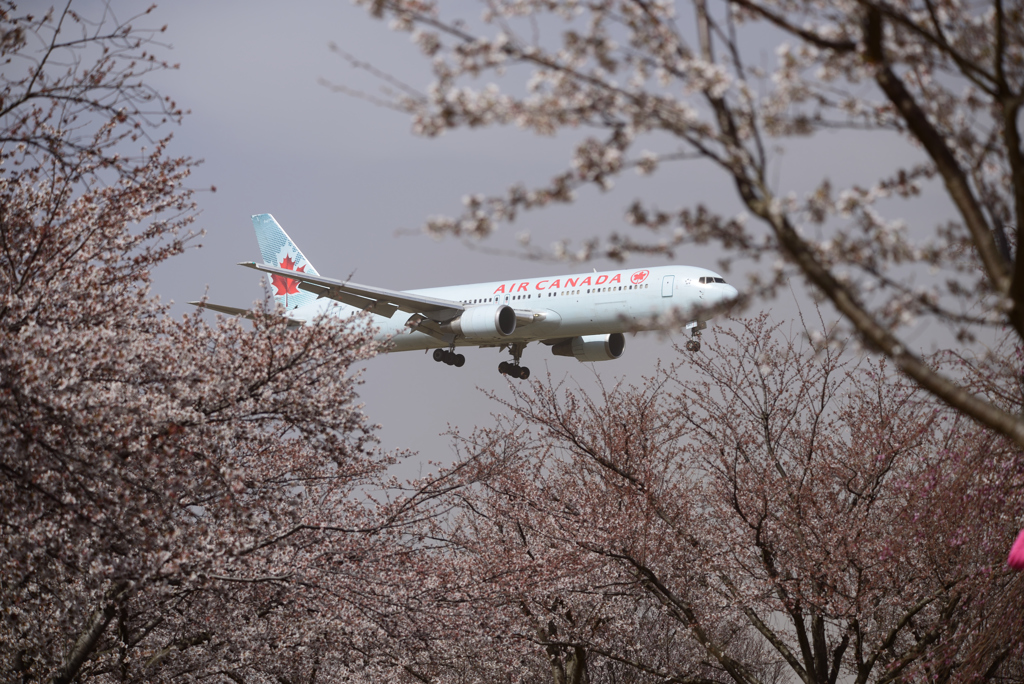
<point x="90" y="635"/>
<point x="954" y="177"/>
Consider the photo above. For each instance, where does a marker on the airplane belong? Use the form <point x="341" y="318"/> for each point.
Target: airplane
<point x="583" y="315"/>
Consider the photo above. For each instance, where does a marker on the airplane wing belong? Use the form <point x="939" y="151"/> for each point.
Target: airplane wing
<point x="378" y="300"/>
<point x="428" y="312"/>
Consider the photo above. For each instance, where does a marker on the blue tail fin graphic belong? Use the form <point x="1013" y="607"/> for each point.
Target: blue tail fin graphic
<point x="279" y="250"/>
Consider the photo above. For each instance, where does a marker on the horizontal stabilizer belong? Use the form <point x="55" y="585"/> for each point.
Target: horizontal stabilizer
<point x="220" y="308"/>
<point x="235" y="311"/>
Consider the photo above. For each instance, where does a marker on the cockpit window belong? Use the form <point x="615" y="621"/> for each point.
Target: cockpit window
<point x="708" y="279"/>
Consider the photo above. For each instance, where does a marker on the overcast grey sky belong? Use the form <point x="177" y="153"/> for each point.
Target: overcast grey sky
<point x="343" y="177"/>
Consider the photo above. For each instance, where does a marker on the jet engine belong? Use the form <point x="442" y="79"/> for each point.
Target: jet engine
<point x="590" y="348"/>
<point x="482" y="322"/>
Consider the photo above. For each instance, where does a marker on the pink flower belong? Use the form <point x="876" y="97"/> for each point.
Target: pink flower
<point x="1016" y="557"/>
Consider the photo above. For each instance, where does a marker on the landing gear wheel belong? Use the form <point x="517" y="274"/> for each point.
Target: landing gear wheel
<point x="449" y="357"/>
<point x="693" y="344"/>
<point x="512" y="370"/>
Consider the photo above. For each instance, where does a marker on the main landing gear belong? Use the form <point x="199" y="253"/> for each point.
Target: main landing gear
<point x="693" y="344"/>
<point x="450" y="357"/>
<point x="514" y="369"/>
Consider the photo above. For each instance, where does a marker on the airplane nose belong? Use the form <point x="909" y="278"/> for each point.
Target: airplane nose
<point x="726" y="294"/>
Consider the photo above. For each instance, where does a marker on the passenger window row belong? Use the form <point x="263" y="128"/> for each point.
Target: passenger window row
<point x="621" y="287"/>
<point x="563" y="293"/>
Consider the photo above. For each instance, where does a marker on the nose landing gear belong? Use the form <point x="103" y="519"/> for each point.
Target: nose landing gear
<point x="449" y="357"/>
<point x="693" y="344"/>
<point x="514" y="369"/>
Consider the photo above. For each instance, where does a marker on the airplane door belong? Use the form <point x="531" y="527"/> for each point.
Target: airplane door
<point x="668" y="283"/>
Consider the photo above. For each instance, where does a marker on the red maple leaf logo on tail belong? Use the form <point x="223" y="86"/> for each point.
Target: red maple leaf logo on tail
<point x="287" y="286"/>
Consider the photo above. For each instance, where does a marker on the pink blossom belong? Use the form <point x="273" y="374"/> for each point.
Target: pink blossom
<point x="1016" y="558"/>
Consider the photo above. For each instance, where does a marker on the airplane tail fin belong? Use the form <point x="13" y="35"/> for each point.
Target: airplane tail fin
<point x="279" y="250"/>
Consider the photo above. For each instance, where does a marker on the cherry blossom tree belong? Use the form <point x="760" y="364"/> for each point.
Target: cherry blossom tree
<point x="186" y="501"/>
<point x="645" y="83"/>
<point x="180" y="501"/>
<point x="73" y="88"/>
<point x="788" y="514"/>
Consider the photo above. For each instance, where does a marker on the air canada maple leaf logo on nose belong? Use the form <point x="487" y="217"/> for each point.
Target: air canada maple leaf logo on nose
<point x="287" y="286"/>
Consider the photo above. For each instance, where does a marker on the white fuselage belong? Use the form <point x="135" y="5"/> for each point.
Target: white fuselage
<point x="561" y="306"/>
